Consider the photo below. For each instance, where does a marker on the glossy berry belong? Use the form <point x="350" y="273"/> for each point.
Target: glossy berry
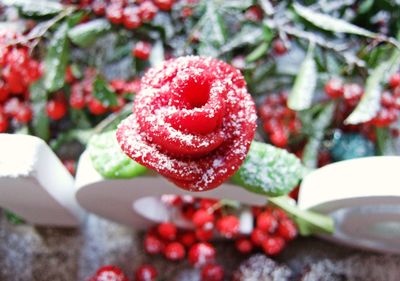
<point x="279" y="47"/>
<point x="273" y="245"/>
<point x="394" y="80"/>
<point x="147" y="11"/>
<point x="203" y="234"/>
<point x="146" y="272"/>
<point x="228" y="226"/>
<point x="352" y="93"/>
<point x="114" y="13"/>
<point x="131" y="17"/>
<point x="202" y="217"/>
<point x="254" y="13"/>
<point x="3" y="122"/>
<point x="99" y="7"/>
<point x="153" y="245"/>
<point x="279" y="136"/>
<point x="165" y="5"/>
<point x="287" y="229"/>
<point x="334" y="88"/>
<point x="167" y="231"/>
<point x="24" y="114"/>
<point x="96" y="107"/>
<point x="201" y="254"/>
<point x="142" y="50"/>
<point x="56" y="109"/>
<point x="267" y="222"/>
<point x="212" y="272"/>
<point x="244" y="245"/>
<point x="4" y="93"/>
<point x="174" y="251"/>
<point x="258" y="236"/>
<point x="77" y="97"/>
<point x="187" y="238"/>
<point x="109" y="273"/>
<point x="12" y="106"/>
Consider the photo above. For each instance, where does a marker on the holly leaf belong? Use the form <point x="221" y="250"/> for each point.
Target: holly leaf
<point x="329" y="23"/>
<point x="249" y="34"/>
<point x="87" y="33"/>
<point x="319" y="125"/>
<point x="103" y="93"/>
<point x="40" y="121"/>
<point x="369" y="104"/>
<point x="35" y="8"/>
<point x="109" y="160"/>
<point x="301" y="95"/>
<point x="269" y="170"/>
<point x="56" y="59"/>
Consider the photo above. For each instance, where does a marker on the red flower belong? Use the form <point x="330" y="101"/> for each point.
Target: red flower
<point x="193" y="121"/>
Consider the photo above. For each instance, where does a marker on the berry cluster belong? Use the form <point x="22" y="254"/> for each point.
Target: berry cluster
<point x="81" y="95"/>
<point x="351" y="94"/>
<point x="278" y="120"/>
<point x="131" y="14"/>
<point x="18" y="70"/>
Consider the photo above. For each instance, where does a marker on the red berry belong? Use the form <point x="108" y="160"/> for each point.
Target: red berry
<point x="204" y="234"/>
<point x="258" y="236"/>
<point x="212" y="272"/>
<point x="153" y="245"/>
<point x="201" y="254"/>
<point x="279" y="47"/>
<point x="114" y="13"/>
<point x="3" y="122"/>
<point x="96" y="107"/>
<point x="77" y="97"/>
<point x="202" y="217"/>
<point x="24" y="114"/>
<point x="267" y="222"/>
<point x="187" y="238"/>
<point x="394" y="80"/>
<point x="228" y="226"/>
<point x="207" y="203"/>
<point x="4" y="93"/>
<point x="273" y="245"/>
<point x="279" y="136"/>
<point x="186" y="12"/>
<point x="147" y="11"/>
<point x="254" y="13"/>
<point x="287" y="229"/>
<point x="334" y="88"/>
<point x="387" y="99"/>
<point x="146" y="272"/>
<point x="70" y="165"/>
<point x="167" y="231"/>
<point x="109" y="273"/>
<point x="174" y="251"/>
<point x="11" y="106"/>
<point x="244" y="245"/>
<point x="165" y="5"/>
<point x="142" y="50"/>
<point x="131" y="17"/>
<point x="69" y="76"/>
<point x="99" y="7"/>
<point x="56" y="109"/>
<point x="352" y="93"/>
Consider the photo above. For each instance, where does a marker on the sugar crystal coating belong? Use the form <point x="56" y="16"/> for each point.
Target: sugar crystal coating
<point x="193" y="121"/>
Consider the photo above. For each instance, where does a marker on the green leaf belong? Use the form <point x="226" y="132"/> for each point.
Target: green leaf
<point x="157" y="53"/>
<point x="56" y="59"/>
<point x="35" y="8"/>
<point x="87" y="33"/>
<point x="109" y="160"/>
<point x="269" y="170"/>
<point x="309" y="222"/>
<point x="13" y="218"/>
<point x="319" y="125"/>
<point x="369" y="104"/>
<point x="329" y="23"/>
<point x="258" y="52"/>
<point x="249" y="34"/>
<point x="301" y="95"/>
<point x="40" y="121"/>
<point x="237" y="4"/>
<point x="103" y="93"/>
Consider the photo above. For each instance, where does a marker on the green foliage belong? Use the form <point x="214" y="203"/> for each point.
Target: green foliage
<point x="269" y="170"/>
<point x="109" y="160"/>
<point x="85" y="34"/>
